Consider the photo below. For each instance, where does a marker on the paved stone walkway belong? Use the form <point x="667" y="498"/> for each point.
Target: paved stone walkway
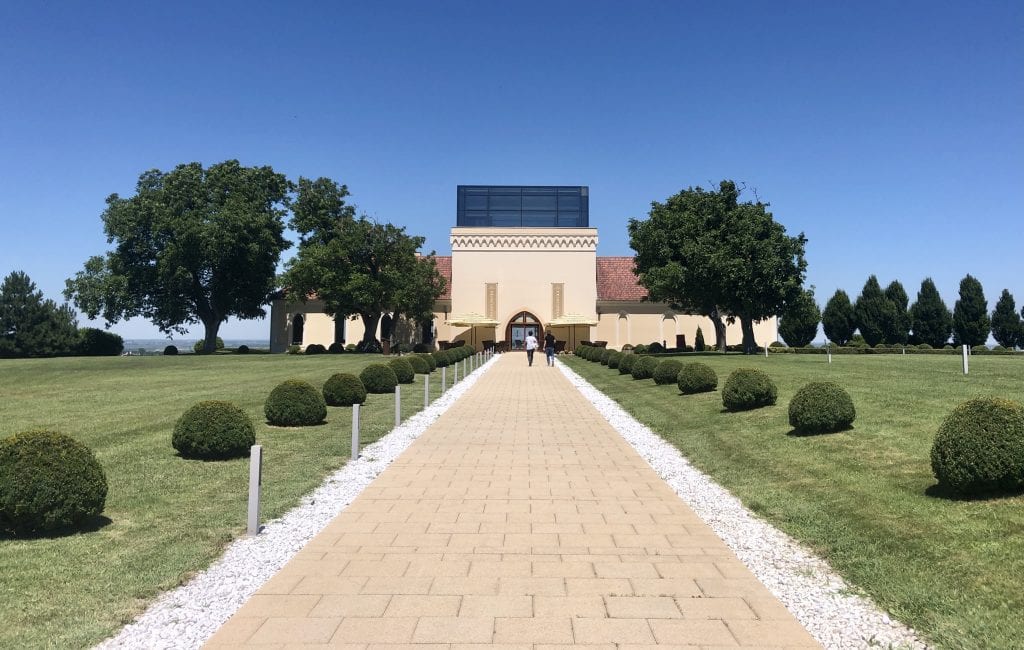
<point x="521" y="521"/>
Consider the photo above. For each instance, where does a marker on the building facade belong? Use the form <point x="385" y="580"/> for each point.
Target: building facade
<point x="523" y="260"/>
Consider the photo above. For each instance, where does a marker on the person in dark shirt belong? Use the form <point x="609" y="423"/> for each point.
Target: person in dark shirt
<point x="549" y="347"/>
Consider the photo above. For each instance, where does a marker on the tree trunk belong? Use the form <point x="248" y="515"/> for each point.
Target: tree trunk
<point x="370" y="322"/>
<point x="749" y="344"/>
<point x="211" y="327"/>
<point x="719" y="324"/>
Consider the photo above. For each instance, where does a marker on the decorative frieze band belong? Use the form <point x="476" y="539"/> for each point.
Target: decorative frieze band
<point x="506" y="241"/>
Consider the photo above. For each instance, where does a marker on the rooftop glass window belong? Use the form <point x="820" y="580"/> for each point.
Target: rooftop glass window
<point x="523" y="206"/>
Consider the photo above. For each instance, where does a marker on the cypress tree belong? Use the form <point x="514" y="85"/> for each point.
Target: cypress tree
<point x="900" y="328"/>
<point x="698" y="341"/>
<point x="1007" y="328"/>
<point x="874" y="313"/>
<point x="971" y="323"/>
<point x="799" y="323"/>
<point x="837" y="318"/>
<point x="929" y="317"/>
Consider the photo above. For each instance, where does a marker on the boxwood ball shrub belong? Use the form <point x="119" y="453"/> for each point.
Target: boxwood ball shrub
<point x="613" y="358"/>
<point x="379" y="378"/>
<point x="295" y="403"/>
<point x="315" y="348"/>
<point x="344" y="389"/>
<point x="748" y="388"/>
<point x="821" y="407"/>
<point x="440" y="358"/>
<point x="336" y="348"/>
<point x="403" y="370"/>
<point x="626" y="364"/>
<point x="242" y="349"/>
<point x="170" y="351"/>
<point x="667" y="372"/>
<point x="979" y="448"/>
<point x="48" y="481"/>
<point x="644" y="367"/>
<point x="430" y="359"/>
<point x="418" y="363"/>
<point x="213" y="430"/>
<point x="603" y="358"/>
<point x="696" y="378"/>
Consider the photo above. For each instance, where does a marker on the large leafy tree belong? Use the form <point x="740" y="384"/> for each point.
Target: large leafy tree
<point x="1007" y="328"/>
<point x="899" y="330"/>
<point x="705" y="252"/>
<point x="193" y="245"/>
<point x="929" y="317"/>
<point x="838" y="318"/>
<point x="356" y="266"/>
<point x="874" y="313"/>
<point x="971" y="323"/>
<point x="31" y="326"/>
<point x="799" y="323"/>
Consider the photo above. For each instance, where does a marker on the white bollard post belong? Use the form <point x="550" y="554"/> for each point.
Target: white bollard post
<point x="426" y="391"/>
<point x="444" y="379"/>
<point x="904" y="351"/>
<point x="398" y="405"/>
<point x="766" y="352"/>
<point x="455" y="373"/>
<point x="965" y="358"/>
<point x="355" y="431"/>
<point x="255" y="482"/>
<point x="830" y="355"/>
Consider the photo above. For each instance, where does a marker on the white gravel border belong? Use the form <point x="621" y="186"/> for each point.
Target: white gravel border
<point x="821" y="600"/>
<point x="189" y="615"/>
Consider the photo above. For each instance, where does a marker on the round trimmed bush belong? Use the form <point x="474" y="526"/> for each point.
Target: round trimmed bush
<point x="655" y="348"/>
<point x="242" y="349"/>
<point x="343" y="389"/>
<point x="613" y="358"/>
<point x="696" y="378"/>
<point x="48" y="481"/>
<point x="748" y="388"/>
<point x="170" y="351"/>
<point x="821" y="407"/>
<point x="336" y="348"/>
<point x="295" y="403"/>
<point x="453" y="356"/>
<point x="644" y="367"/>
<point x="626" y="364"/>
<point x="667" y="372"/>
<point x="403" y="370"/>
<point x="315" y="348"/>
<point x="603" y="358"/>
<point x="213" y="430"/>
<point x="418" y="363"/>
<point x="979" y="448"/>
<point x="441" y="358"/>
<point x="379" y="378"/>
<point x="430" y="359"/>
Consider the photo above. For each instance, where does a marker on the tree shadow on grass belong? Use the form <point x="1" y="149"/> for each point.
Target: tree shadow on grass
<point x="938" y="491"/>
<point x="797" y="433"/>
<point x="90" y="525"/>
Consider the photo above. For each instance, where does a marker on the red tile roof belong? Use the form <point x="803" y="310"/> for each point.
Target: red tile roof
<point x="444" y="267"/>
<point x="615" y="280"/>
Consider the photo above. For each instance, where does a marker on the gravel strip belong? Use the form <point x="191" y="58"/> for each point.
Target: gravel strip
<point x="806" y="585"/>
<point x="188" y="616"/>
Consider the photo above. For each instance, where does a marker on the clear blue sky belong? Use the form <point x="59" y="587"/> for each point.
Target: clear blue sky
<point x="890" y="133"/>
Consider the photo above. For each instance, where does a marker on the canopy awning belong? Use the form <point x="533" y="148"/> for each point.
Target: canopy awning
<point x="471" y="319"/>
<point x="571" y="319"/>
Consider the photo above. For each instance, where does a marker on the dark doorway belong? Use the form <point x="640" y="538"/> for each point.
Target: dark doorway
<point x="519" y="327"/>
<point x="298" y="324"/>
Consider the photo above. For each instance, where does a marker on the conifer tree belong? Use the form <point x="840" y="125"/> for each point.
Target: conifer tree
<point x="799" y="323"/>
<point x="31" y="326"/>
<point x="900" y="330"/>
<point x="837" y="319"/>
<point x="971" y="323"/>
<point x="698" y="341"/>
<point x="874" y="313"/>
<point x="1007" y="328"/>
<point x="930" y="319"/>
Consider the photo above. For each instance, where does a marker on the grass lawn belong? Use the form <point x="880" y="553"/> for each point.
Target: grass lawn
<point x="863" y="498"/>
<point x="168" y="517"/>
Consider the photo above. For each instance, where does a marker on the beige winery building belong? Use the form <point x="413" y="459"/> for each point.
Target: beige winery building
<point x="523" y="260"/>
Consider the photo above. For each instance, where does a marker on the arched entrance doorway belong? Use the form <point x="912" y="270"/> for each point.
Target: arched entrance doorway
<point x="519" y="327"/>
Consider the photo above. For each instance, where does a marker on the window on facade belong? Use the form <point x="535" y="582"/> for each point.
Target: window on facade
<point x="529" y="206"/>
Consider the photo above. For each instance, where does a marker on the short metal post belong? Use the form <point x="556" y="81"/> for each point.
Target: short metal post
<point x="255" y="481"/>
<point x="965" y="358"/>
<point x="426" y="391"/>
<point x="830" y="355"/>
<point x="444" y="379"/>
<point x="398" y="405"/>
<point x="355" y="431"/>
<point x="766" y="352"/>
<point x="904" y="351"/>
<point x="455" y="376"/>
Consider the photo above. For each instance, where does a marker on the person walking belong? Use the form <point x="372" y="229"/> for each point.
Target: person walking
<point x="549" y="348"/>
<point x="531" y="346"/>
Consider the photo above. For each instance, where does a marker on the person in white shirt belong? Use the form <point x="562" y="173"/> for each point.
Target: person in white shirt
<point x="531" y="345"/>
